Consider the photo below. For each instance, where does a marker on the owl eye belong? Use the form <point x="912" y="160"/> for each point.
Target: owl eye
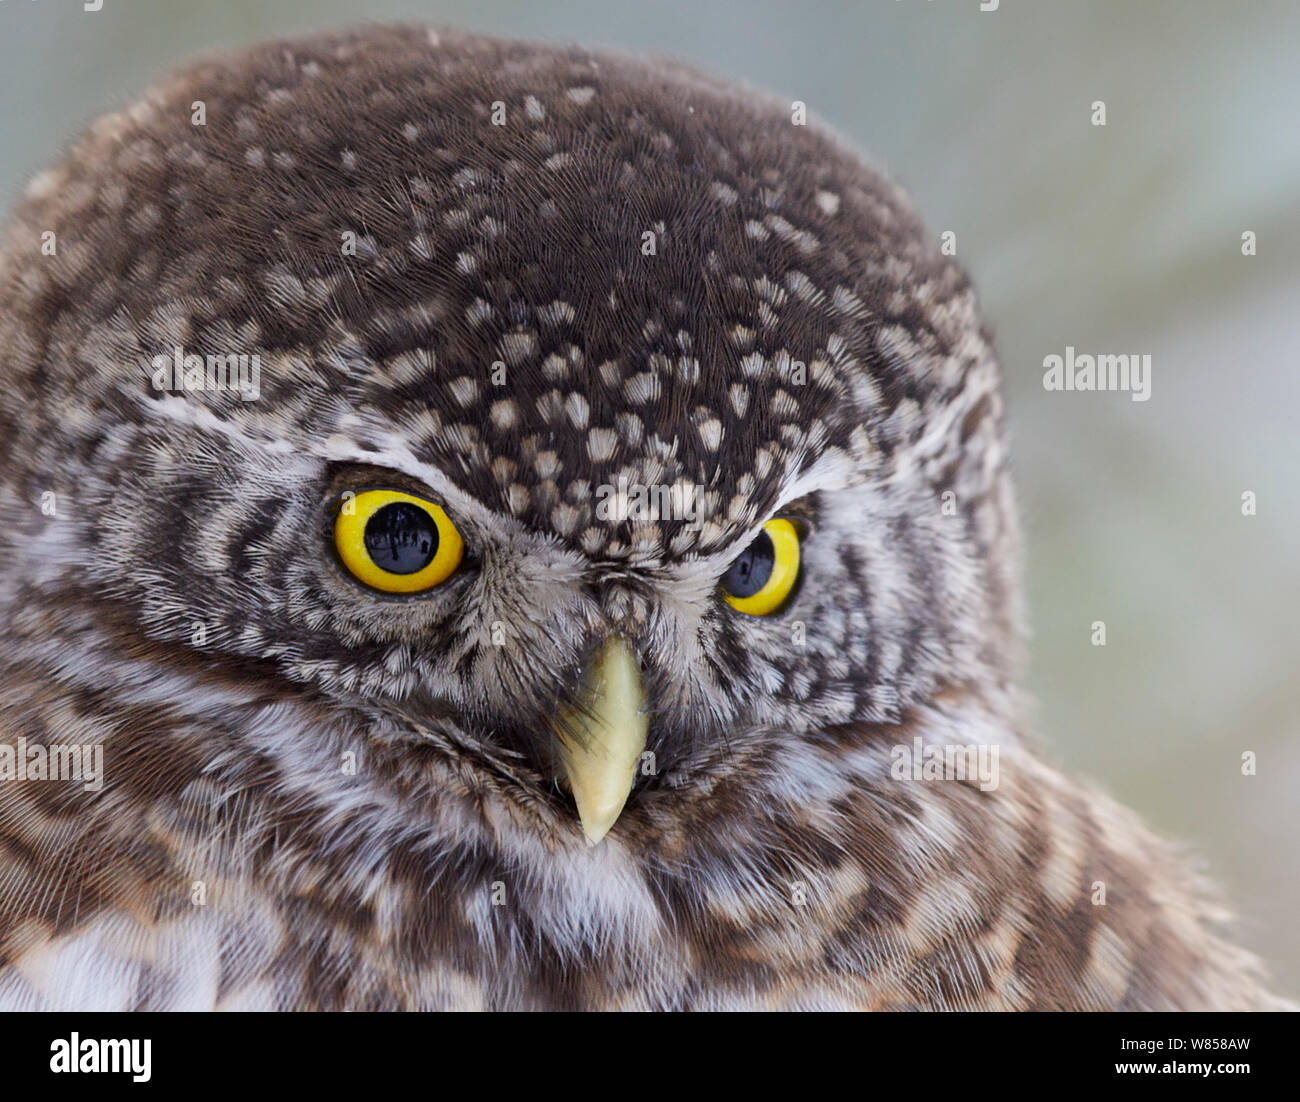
<point x="760" y="580"/>
<point x="397" y="543"/>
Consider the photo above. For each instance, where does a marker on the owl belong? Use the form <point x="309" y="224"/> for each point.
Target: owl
<point x="500" y="526"/>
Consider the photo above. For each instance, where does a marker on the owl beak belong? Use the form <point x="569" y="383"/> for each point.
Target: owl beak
<point x="601" y="738"/>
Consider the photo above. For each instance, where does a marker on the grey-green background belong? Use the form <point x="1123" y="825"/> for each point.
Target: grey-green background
<point x="1117" y="239"/>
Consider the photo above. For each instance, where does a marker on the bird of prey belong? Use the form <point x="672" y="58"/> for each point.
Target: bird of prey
<point x="506" y="526"/>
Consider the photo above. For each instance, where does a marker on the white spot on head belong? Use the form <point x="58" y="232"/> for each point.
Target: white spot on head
<point x="464" y="390"/>
<point x="610" y="372"/>
<point x="582" y="94"/>
<point x="504" y="414"/>
<point x="601" y="444"/>
<point x="557" y="312"/>
<point x="550" y="405"/>
<point x="578" y="410"/>
<point x="802" y="287"/>
<point x="739" y="395"/>
<point x="564" y="518"/>
<point x="784" y="404"/>
<point x="724" y="193"/>
<point x="46" y="183"/>
<point x="517" y="498"/>
<point x="742" y="336"/>
<point x="828" y="201"/>
<point x="519" y="346"/>
<point x="631" y="428"/>
<point x="642" y="388"/>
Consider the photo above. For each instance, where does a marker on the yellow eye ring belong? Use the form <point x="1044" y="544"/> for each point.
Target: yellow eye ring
<point x="760" y="580"/>
<point x="395" y="542"/>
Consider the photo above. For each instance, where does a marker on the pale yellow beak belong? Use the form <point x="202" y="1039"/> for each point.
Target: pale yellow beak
<point x="602" y="738"/>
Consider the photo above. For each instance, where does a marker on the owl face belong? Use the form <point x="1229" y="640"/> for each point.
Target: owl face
<point x="649" y="365"/>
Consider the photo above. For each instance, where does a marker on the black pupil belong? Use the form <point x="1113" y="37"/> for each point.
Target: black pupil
<point x="401" y="538"/>
<point x="750" y="572"/>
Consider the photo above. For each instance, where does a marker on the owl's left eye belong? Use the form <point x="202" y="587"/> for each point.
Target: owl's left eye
<point x="761" y="579"/>
<point x="396" y="542"/>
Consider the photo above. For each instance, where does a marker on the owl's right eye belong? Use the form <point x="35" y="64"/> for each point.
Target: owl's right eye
<point x="763" y="577"/>
<point x="396" y="542"/>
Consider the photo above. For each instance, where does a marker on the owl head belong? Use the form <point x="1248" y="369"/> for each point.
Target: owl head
<point x="598" y="426"/>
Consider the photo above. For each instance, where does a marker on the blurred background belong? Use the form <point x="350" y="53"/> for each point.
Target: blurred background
<point x="1122" y="238"/>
